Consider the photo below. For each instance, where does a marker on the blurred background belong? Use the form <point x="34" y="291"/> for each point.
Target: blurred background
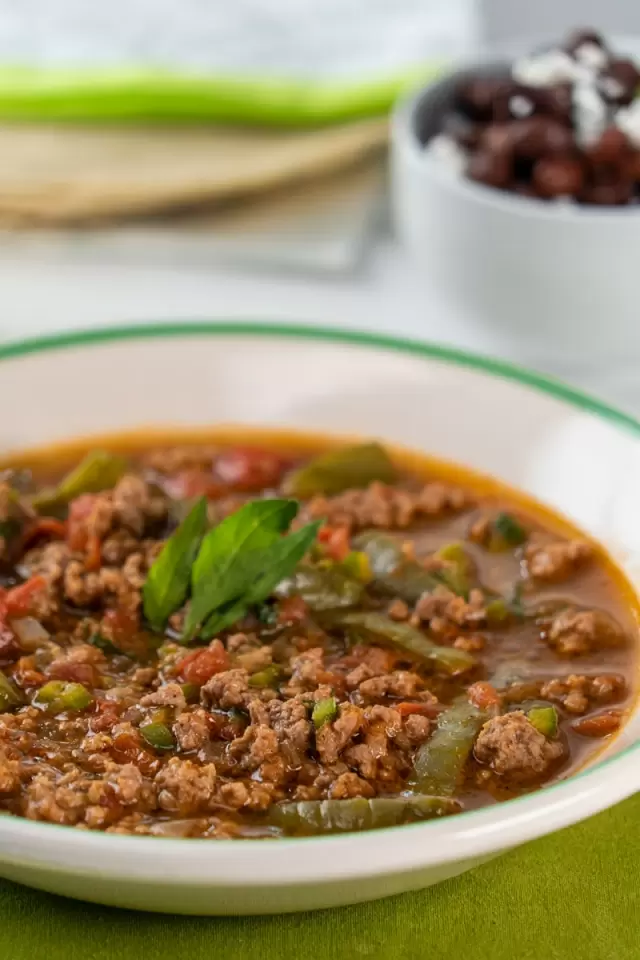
<point x="207" y="159"/>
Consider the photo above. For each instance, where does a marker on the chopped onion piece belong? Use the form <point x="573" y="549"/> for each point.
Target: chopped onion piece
<point x="30" y="633"/>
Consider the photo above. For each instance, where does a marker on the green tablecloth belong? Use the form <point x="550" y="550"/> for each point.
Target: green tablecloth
<point x="571" y="895"/>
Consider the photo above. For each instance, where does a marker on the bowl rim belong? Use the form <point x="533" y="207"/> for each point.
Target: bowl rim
<point x="315" y="860"/>
<point x="403" y="137"/>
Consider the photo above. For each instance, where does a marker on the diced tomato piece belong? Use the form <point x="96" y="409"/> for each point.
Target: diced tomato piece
<point x="93" y="556"/>
<point x="9" y="646"/>
<point x="128" y="748"/>
<point x="335" y="541"/>
<point x="18" y="601"/>
<point x="84" y="673"/>
<point x="121" y="624"/>
<point x="430" y="710"/>
<point x="200" y="665"/>
<point x="80" y="510"/>
<point x="193" y="483"/>
<point x="44" y="528"/>
<point x="107" y="714"/>
<point x="334" y="680"/>
<point x="292" y="610"/>
<point x="602" y="725"/>
<point x="483" y="695"/>
<point x="249" y="468"/>
<point x="224" y="727"/>
<point x="25" y="674"/>
<point x="381" y="661"/>
<point x="122" y="628"/>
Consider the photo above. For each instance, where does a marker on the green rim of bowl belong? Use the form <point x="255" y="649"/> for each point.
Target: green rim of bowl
<point x="415" y="348"/>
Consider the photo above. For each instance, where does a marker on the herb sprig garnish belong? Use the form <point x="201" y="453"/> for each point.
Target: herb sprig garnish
<point x="167" y="584"/>
<point x="226" y="571"/>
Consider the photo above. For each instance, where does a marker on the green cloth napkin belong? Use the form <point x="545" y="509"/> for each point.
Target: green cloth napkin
<point x="136" y="95"/>
<point x="571" y="896"/>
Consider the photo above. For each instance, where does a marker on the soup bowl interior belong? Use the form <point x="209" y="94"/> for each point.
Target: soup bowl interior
<point x="565" y="449"/>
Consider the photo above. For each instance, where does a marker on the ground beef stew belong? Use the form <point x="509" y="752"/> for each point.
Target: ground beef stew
<point x="274" y="639"/>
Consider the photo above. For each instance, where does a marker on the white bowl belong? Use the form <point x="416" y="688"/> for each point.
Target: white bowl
<point x="572" y="452"/>
<point x="545" y="276"/>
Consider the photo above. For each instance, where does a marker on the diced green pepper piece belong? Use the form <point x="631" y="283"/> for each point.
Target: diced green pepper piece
<point x="324" y="711"/>
<point x="98" y="471"/>
<point x="269" y="677"/>
<point x="191" y="692"/>
<point x="76" y="697"/>
<point x="10" y="697"/>
<point x="439" y="763"/>
<point x="375" y="627"/>
<point x="335" y="816"/>
<point x="497" y="611"/>
<point x="10" y="528"/>
<point x="456" y="575"/>
<point x="97" y="640"/>
<point x="57" y="696"/>
<point x="544" y="719"/>
<point x="343" y="469"/>
<point x="356" y="564"/>
<point x="158" y="735"/>
<point x="392" y="572"/>
<point x="506" y="533"/>
<point x="322" y="588"/>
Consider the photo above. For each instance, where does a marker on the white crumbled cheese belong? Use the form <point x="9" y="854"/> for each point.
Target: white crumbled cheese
<point x="590" y="115"/>
<point x="545" y="69"/>
<point x="520" y="107"/>
<point x="627" y="119"/>
<point x="610" y="87"/>
<point x="447" y="153"/>
<point x="591" y="56"/>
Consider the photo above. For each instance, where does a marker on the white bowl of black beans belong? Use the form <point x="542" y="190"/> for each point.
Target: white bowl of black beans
<point x="517" y="192"/>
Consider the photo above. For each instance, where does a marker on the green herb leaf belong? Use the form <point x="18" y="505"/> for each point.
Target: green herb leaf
<point x="98" y="471"/>
<point x="507" y="532"/>
<point x="254" y="578"/>
<point x="256" y="525"/>
<point x="231" y="556"/>
<point x="167" y="584"/>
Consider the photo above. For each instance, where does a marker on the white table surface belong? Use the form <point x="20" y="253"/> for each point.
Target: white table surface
<point x="46" y="291"/>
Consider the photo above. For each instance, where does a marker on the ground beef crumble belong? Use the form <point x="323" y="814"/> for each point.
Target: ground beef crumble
<point x="512" y="747"/>
<point x="556" y="561"/>
<point x="576" y="632"/>
<point x="387" y="507"/>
